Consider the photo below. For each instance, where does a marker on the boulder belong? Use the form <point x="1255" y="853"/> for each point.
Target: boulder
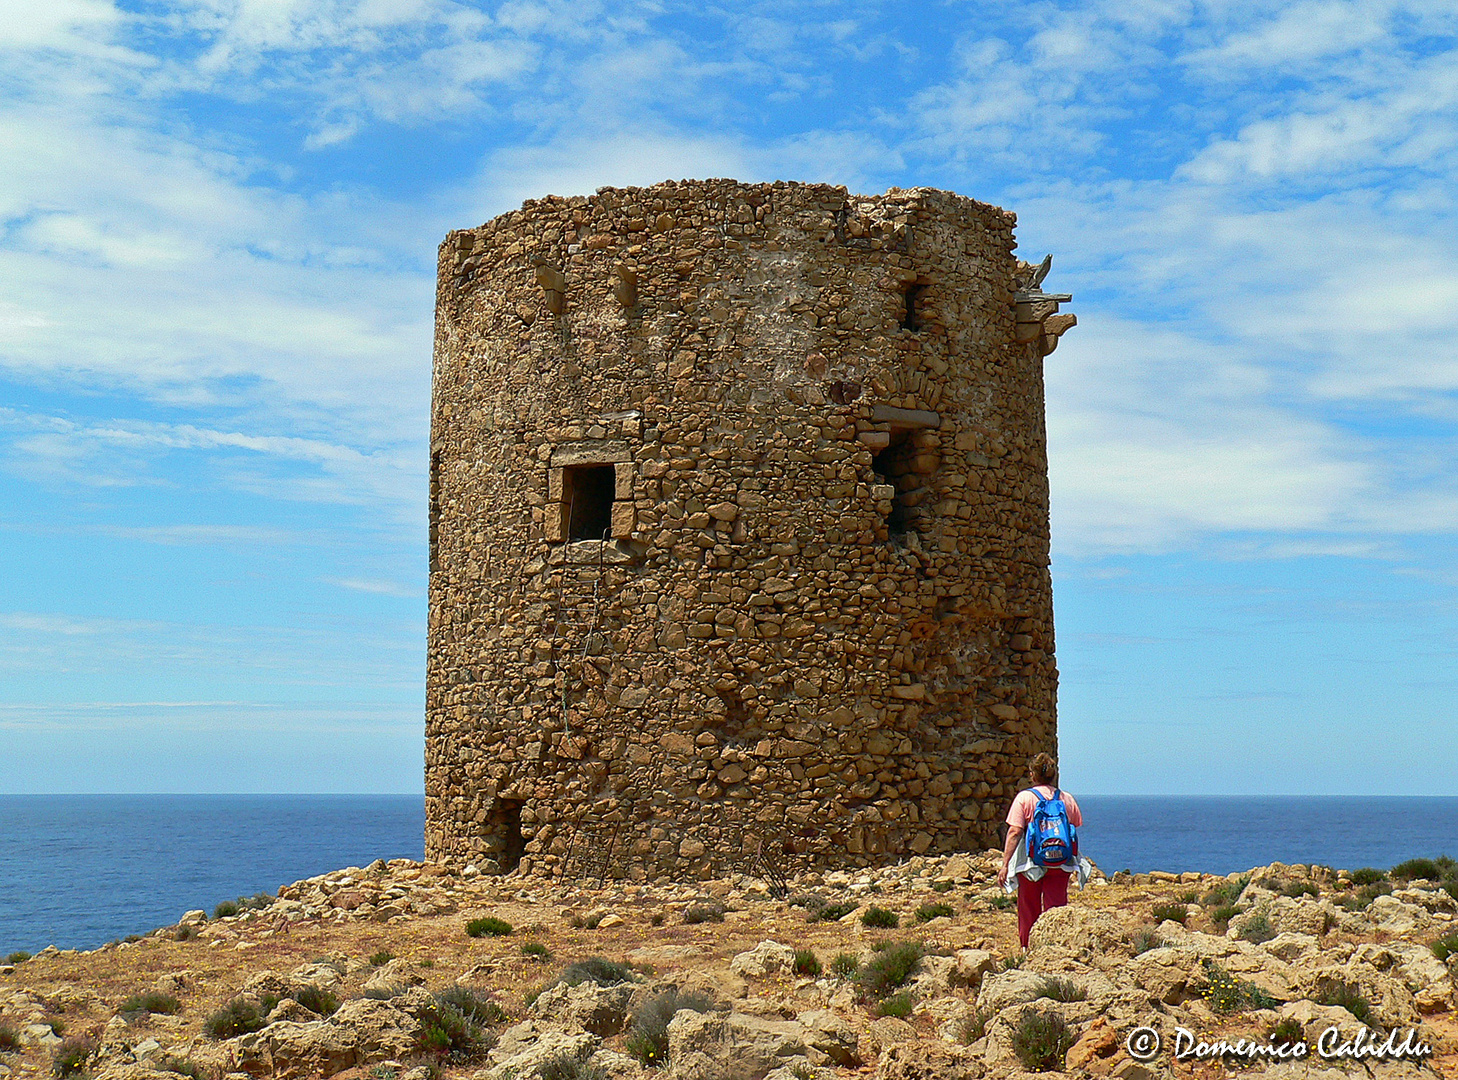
<point x="360" y="1033"/>
<point x="601" y="1010"/>
<point x="882" y="1032"/>
<point x="1393" y="916"/>
<point x="1290" y="945"/>
<point x="1081" y="930"/>
<point x="971" y="966"/>
<point x="709" y="1046"/>
<point x="324" y="976"/>
<point x="1098" y="1040"/>
<point x="928" y="1060"/>
<point x="1165" y="974"/>
<point x="523" y="1048"/>
<point x="829" y="1038"/>
<point x="934" y="976"/>
<point x="765" y="959"/>
<point x="1008" y="988"/>
<point x="396" y="973"/>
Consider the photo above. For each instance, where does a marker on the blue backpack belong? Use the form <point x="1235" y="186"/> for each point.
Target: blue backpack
<point x="1052" y="839"/>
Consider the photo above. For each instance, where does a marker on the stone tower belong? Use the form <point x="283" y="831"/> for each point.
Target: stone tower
<point x="738" y="531"/>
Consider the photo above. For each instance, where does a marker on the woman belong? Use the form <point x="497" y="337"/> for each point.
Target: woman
<point x="1039" y="888"/>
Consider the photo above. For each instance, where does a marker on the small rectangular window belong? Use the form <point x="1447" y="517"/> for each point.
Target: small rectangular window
<point x="587" y="495"/>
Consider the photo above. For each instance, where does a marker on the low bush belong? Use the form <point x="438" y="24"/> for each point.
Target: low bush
<point x="381" y="958"/>
<point x="488" y="926"/>
<point x="941" y="886"/>
<point x="1226" y="893"/>
<point x="1224" y="993"/>
<point x="1041" y="1041"/>
<point x="1295" y="889"/>
<point x="889" y="969"/>
<point x="1146" y="939"/>
<point x="184" y="932"/>
<point x="1362" y="899"/>
<point x="806" y="962"/>
<point x="880" y="918"/>
<point x="598" y="970"/>
<point x="656" y="918"/>
<point x="1189" y="896"/>
<point x="71" y="1057"/>
<point x="586" y="922"/>
<point x="537" y="951"/>
<point x="835" y="912"/>
<point x="1368" y="875"/>
<point x="1451" y="888"/>
<point x="9" y="1037"/>
<point x="974" y="1027"/>
<point x="237" y="1017"/>
<point x="1256" y="929"/>
<point x="186" y="1067"/>
<point x="1446" y="946"/>
<point x="897" y="1005"/>
<point x="317" y="1000"/>
<point x="1286" y="1032"/>
<point x="1013" y="962"/>
<point x="845" y="966"/>
<point x="1347" y="998"/>
<point x="225" y="909"/>
<point x="56" y="1024"/>
<point x="1059" y="989"/>
<point x="473" y="1003"/>
<point x="384" y="993"/>
<point x="1170" y="913"/>
<point x="928" y="912"/>
<point x="1447" y="866"/>
<point x="811" y="902"/>
<point x="703" y="911"/>
<point x="647" y="1034"/>
<point x="1413" y="869"/>
<point x="20" y="956"/>
<point x="1222" y="915"/>
<point x="153" y="1001"/>
<point x="1002" y="902"/>
<point x="565" y="1066"/>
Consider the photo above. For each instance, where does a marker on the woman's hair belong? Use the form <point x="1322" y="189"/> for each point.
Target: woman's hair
<point x="1043" y="769"/>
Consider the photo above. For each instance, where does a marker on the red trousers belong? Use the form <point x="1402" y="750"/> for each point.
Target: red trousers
<point x="1036" y="897"/>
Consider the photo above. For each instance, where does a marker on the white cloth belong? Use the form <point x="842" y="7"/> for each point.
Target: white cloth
<point x="1023" y="864"/>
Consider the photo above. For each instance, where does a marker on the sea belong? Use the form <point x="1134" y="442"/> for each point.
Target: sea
<point x="77" y="871"/>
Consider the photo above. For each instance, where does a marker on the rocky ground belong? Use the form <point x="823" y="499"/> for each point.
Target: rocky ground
<point x="371" y="973"/>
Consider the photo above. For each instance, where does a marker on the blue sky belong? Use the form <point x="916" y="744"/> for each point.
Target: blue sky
<point x="218" y="223"/>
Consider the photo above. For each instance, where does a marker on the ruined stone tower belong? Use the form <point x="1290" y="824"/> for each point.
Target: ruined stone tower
<point x="738" y="531"/>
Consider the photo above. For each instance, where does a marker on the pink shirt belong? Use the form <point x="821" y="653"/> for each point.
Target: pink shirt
<point x="1021" y="812"/>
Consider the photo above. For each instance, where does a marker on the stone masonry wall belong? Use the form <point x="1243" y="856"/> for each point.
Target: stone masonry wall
<point x="739" y="531"/>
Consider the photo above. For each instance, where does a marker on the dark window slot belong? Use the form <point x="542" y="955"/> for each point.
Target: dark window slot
<point x="587" y="492"/>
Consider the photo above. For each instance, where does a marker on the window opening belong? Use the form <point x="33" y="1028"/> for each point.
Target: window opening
<point x="434" y="510"/>
<point x="893" y="466"/>
<point x="587" y="491"/>
<point x="911" y="320"/>
<point x="505" y="827"/>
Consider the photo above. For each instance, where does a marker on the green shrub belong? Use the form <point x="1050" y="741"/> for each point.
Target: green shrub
<point x="1362" y="899"/>
<point x="1058" y="989"/>
<point x="184" y="932"/>
<point x="185" y="1067"/>
<point x="237" y="1017"/>
<point x="1226" y="893"/>
<point x="941" y="886"/>
<point x="381" y="958"/>
<point x="20" y="956"/>
<point x="1256" y="929"/>
<point x="565" y="1066"/>
<point x="459" y="1032"/>
<point x="428" y="962"/>
<point x="226" y="909"/>
<point x="473" y="1003"/>
<point x="1171" y="913"/>
<point x="1224" y="993"/>
<point x="647" y="1035"/>
<point x="897" y="1005"/>
<point x="1222" y="915"/>
<point x="1001" y="902"/>
<point x="1189" y="896"/>
<point x="71" y="1057"/>
<point x="1041" y="1040"/>
<point x="811" y="902"/>
<point x="537" y="951"/>
<point x="596" y="969"/>
<point x="890" y="968"/>
<point x="1417" y="868"/>
<point x="703" y="911"/>
<point x="1285" y="1032"/>
<point x="153" y="1001"/>
<point x="656" y="918"/>
<point x="1446" y="946"/>
<point x="845" y="966"/>
<point x="836" y="912"/>
<point x="1451" y="888"/>
<point x="1343" y="995"/>
<point x="1013" y="962"/>
<point x="1368" y="875"/>
<point x="806" y="962"/>
<point x="880" y="918"/>
<point x="9" y="1037"/>
<point x="56" y="1024"/>
<point x="317" y="1000"/>
<point x="1296" y="889"/>
<point x="1146" y="939"/>
<point x="384" y="993"/>
<point x="488" y="926"/>
<point x="928" y="912"/>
